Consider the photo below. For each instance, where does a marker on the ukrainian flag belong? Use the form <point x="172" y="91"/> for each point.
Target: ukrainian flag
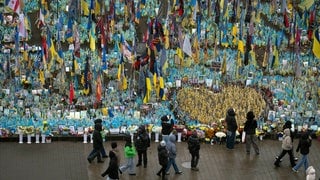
<point x="316" y="43"/>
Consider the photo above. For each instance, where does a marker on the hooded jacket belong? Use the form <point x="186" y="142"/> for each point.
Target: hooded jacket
<point x="193" y="144"/>
<point x="171" y="146"/>
<point x="142" y="141"/>
<point x="163" y="155"/>
<point x="112" y="170"/>
<point x="251" y="124"/>
<point x="97" y="138"/>
<point x="304" y="144"/>
<point x="231" y="120"/>
<point x="287" y="142"/>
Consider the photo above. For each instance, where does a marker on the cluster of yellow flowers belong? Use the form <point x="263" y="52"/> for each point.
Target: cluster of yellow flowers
<point x="207" y="107"/>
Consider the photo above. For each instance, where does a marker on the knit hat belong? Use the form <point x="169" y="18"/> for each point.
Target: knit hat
<point x="164" y="118"/>
<point x="162" y="143"/>
<point x="250" y="115"/>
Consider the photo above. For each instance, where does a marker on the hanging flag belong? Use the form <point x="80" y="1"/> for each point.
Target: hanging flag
<point x="224" y="64"/>
<point x="187" y="46"/>
<point x="196" y="55"/>
<point x="241" y="46"/>
<point x="161" y="91"/>
<point x="86" y="78"/>
<point x="316" y="43"/>
<point x="124" y="83"/>
<point x="98" y="89"/>
<point x="120" y="68"/>
<point x="306" y="4"/>
<point x="92" y="39"/>
<point x="14" y="5"/>
<point x="147" y="95"/>
<point x="286" y="19"/>
<point x="311" y="23"/>
<point x="85" y="7"/>
<point x="138" y="14"/>
<point x="41" y="77"/>
<point x="71" y="93"/>
<point x="69" y="32"/>
<point x="253" y="58"/>
<point x="275" y="62"/>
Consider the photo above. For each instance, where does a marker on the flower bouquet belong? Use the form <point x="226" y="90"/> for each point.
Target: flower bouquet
<point x="179" y="128"/>
<point x="156" y="129"/>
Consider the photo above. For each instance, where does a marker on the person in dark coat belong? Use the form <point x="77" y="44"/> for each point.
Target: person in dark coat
<point x="231" y="128"/>
<point x="167" y="126"/>
<point x="97" y="144"/>
<point x="304" y="146"/>
<point x="113" y="169"/>
<point x="142" y="142"/>
<point x="163" y="159"/>
<point x="103" y="151"/>
<point x="250" y="128"/>
<point x="194" y="148"/>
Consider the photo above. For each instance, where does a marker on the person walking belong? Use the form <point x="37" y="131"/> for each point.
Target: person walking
<point x="112" y="170"/>
<point x="172" y="149"/>
<point x="231" y="128"/>
<point x="167" y="127"/>
<point x="194" y="148"/>
<point x="115" y="150"/>
<point x="129" y="153"/>
<point x="102" y="150"/>
<point x="304" y="146"/>
<point x="286" y="148"/>
<point x="97" y="144"/>
<point x="142" y="143"/>
<point x="163" y="159"/>
<point x="250" y="132"/>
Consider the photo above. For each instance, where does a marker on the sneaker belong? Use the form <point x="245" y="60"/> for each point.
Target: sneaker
<point x="277" y="158"/>
<point x="179" y="172"/>
<point x="132" y="174"/>
<point x="138" y="165"/>
<point x="167" y="173"/>
<point x="89" y="160"/>
<point x="105" y="156"/>
<point x="277" y="165"/>
<point x="120" y="171"/>
<point x="296" y="159"/>
<point x="100" y="161"/>
<point x="195" y="169"/>
<point x="294" y="170"/>
<point x="158" y="174"/>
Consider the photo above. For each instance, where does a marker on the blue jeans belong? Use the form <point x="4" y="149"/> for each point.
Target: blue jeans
<point x="303" y="161"/>
<point x="172" y="161"/>
<point x="231" y="138"/>
<point x="129" y="165"/>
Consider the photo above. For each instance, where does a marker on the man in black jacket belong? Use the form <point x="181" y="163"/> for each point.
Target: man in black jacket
<point x="97" y="144"/>
<point x="194" y="148"/>
<point x="142" y="143"/>
<point x="167" y="127"/>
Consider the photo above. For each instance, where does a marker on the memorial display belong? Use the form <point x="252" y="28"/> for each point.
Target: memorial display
<point x="130" y="62"/>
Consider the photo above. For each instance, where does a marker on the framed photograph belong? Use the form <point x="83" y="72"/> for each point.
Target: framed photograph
<point x="272" y="115"/>
<point x="177" y="60"/>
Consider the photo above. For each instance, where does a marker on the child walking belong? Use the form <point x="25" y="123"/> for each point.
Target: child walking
<point x="129" y="153"/>
<point x="303" y="146"/>
<point x="112" y="170"/>
<point x="163" y="159"/>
